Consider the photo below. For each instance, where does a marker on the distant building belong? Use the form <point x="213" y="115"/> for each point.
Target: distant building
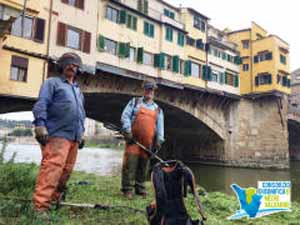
<point x="90" y="127"/>
<point x="294" y="99"/>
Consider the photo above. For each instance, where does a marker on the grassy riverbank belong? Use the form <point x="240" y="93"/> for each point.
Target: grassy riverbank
<point x="18" y="180"/>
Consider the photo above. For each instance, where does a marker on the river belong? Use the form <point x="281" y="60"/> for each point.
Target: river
<point x="107" y="162"/>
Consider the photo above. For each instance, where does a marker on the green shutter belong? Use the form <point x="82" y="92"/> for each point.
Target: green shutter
<point x="228" y="58"/>
<point x="237" y="60"/>
<point x="236" y="81"/>
<point x="146" y="28"/>
<point x="187" y="68"/>
<point x="175" y="63"/>
<point x="101" y="43"/>
<point x="140" y="55"/>
<point x="134" y="25"/>
<point x="222" y="78"/>
<point x="121" y="49"/>
<point x="123" y="15"/>
<point x="224" y="55"/>
<point x="124" y="49"/>
<point x="226" y="78"/>
<point x="156" y="60"/>
<point x="151" y="30"/>
<point x="180" y="40"/>
<point x="169" y="34"/>
<point x="209" y="73"/>
<point x="146" y="6"/>
<point x="129" y="21"/>
<point x="140" y="5"/>
<point x="162" y="61"/>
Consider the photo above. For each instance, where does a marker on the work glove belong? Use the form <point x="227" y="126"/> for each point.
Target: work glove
<point x="128" y="137"/>
<point x="81" y="143"/>
<point x="41" y="135"/>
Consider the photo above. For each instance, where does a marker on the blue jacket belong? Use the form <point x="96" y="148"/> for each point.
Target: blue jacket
<point x="60" y="108"/>
<point x="132" y="108"/>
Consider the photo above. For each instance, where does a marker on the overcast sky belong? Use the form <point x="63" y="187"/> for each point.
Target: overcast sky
<point x="277" y="17"/>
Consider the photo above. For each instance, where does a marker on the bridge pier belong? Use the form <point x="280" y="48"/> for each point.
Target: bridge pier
<point x="258" y="133"/>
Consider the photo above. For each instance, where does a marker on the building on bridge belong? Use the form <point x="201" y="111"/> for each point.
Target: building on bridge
<point x="224" y="61"/>
<point x="23" y="51"/>
<point x="265" y="65"/>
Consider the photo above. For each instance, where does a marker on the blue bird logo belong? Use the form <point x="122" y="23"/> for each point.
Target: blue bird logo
<point x="249" y="200"/>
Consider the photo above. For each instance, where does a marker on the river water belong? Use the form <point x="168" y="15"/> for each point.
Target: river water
<point x="107" y="162"/>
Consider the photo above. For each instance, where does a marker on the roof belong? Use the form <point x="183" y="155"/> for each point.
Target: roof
<point x="169" y="5"/>
<point x="144" y="15"/>
<point x="194" y="11"/>
<point x="239" y="31"/>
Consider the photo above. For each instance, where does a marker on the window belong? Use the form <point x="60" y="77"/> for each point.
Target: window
<point x="169" y="13"/>
<point x="169" y="34"/>
<point x="131" y="22"/>
<point x="216" y="53"/>
<point x="282" y="59"/>
<point x="76" y="3"/>
<point x="112" y="14"/>
<point x="72" y="37"/>
<point x="245" y="67"/>
<point x="199" y="24"/>
<point x="214" y="76"/>
<point x="195" y="70"/>
<point x="110" y="46"/>
<point x="245" y="44"/>
<point x="190" y="41"/>
<point x="18" y="69"/>
<point x="180" y="39"/>
<point x="143" y="6"/>
<point x="263" y="78"/>
<point x="34" y="28"/>
<point x="168" y="62"/>
<point x="259" y="36"/>
<point x="132" y="54"/>
<point x="148" y="29"/>
<point x="229" y="79"/>
<point x="72" y="2"/>
<point x="27" y="30"/>
<point x="263" y="56"/>
<point x="1" y="11"/>
<point x="181" y="66"/>
<point x="224" y="56"/>
<point x="148" y="59"/>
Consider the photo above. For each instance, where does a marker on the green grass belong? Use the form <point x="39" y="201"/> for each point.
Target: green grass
<point x="18" y="180"/>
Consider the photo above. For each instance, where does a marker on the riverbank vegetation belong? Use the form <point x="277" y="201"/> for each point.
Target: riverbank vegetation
<point x="105" y="142"/>
<point x="18" y="180"/>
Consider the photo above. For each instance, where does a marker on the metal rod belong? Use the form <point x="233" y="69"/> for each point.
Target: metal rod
<point x="118" y="129"/>
<point x="23" y="18"/>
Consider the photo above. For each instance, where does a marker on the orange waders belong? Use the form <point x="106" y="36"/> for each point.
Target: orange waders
<point x="58" y="159"/>
<point x="135" y="159"/>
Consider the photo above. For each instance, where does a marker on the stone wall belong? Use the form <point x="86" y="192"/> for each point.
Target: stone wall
<point x="259" y="135"/>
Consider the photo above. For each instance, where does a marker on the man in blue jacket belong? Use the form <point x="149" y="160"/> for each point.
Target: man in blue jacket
<point x="59" y="126"/>
<point x="142" y="121"/>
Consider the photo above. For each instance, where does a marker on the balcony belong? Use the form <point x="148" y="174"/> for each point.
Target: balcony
<point x="32" y="6"/>
<point x="172" y="22"/>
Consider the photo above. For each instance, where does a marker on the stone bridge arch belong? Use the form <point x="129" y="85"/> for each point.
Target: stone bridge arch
<point x="195" y="123"/>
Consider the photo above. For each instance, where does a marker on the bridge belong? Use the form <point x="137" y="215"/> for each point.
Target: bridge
<point x="201" y="125"/>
